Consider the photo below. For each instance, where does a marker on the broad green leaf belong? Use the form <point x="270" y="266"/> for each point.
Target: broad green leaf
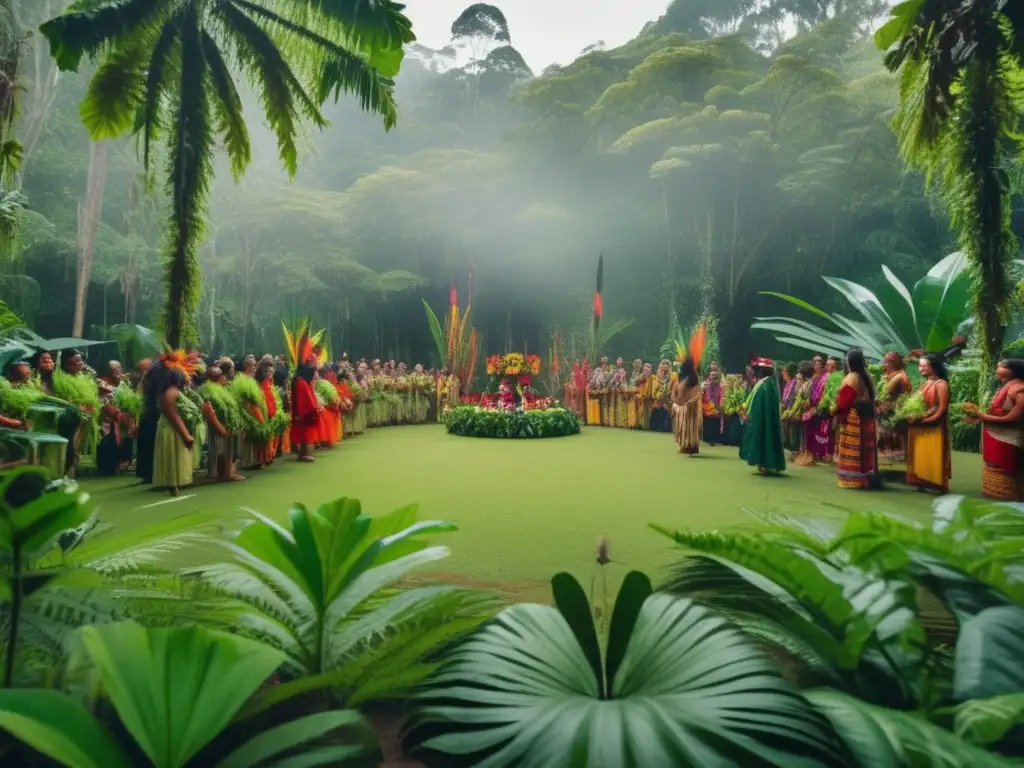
<point x="572" y="603"/>
<point x="307" y="558"/>
<point x="176" y="689"/>
<point x="691" y="690"/>
<point x="899" y="25"/>
<point x="60" y="728"/>
<point x="798" y="302"/>
<point x="986" y="721"/>
<point x="889" y="738"/>
<point x="899" y="304"/>
<point x="943" y="299"/>
<point x="270" y="744"/>
<point x="635" y="589"/>
<point x="989" y="653"/>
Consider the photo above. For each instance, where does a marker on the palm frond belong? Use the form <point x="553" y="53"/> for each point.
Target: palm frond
<point x="227" y="105"/>
<point x="91" y="31"/>
<point x="284" y="98"/>
<point x="159" y="76"/>
<point x="116" y="93"/>
<point x="332" y="67"/>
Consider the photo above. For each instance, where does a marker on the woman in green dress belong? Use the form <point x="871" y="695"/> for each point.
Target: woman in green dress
<point x="762" y="434"/>
<point x="172" y="457"/>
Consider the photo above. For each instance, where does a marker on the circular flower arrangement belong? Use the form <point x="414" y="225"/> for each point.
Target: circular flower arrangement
<point x="474" y="421"/>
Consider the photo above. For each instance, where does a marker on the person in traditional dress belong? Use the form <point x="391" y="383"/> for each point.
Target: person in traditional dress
<point x="857" y="433"/>
<point x="618" y="399"/>
<point x="265" y="378"/>
<point x="817" y="426"/>
<point x="929" y="455"/>
<point x="597" y="395"/>
<point x="640" y="405"/>
<point x="76" y="385"/>
<point x="711" y="406"/>
<point x="304" y="411"/>
<point x="18" y="375"/>
<point x="172" y="452"/>
<point x="791" y="381"/>
<point x="687" y="419"/>
<point x="1002" y="440"/>
<point x="892" y="437"/>
<point x="252" y="452"/>
<point x="634" y="403"/>
<point x="222" y="440"/>
<point x="661" y="398"/>
<point x="284" y="446"/>
<point x="762" y="434"/>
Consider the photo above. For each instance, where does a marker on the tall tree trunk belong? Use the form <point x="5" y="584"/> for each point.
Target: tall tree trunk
<point x="89" y="211"/>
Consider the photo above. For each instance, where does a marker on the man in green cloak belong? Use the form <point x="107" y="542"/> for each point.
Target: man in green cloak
<point x="762" y="435"/>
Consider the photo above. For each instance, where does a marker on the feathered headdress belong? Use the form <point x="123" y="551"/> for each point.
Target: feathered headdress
<point x="301" y="344"/>
<point x="695" y="352"/>
<point x="180" y="360"/>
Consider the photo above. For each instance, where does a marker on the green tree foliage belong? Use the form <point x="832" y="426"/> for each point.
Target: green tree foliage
<point x="956" y="119"/>
<point x="170" y="62"/>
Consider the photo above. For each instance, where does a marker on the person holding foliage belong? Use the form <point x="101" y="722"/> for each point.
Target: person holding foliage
<point x="892" y="438"/>
<point x="265" y="378"/>
<point x="253" y="442"/>
<point x="44" y="367"/>
<point x="172" y="452"/>
<point x="74" y="384"/>
<point x="712" y="400"/>
<point x="929" y="463"/>
<point x="221" y="411"/>
<point x="855" y="415"/>
<point x="762" y="434"/>
<point x="1002" y="441"/>
<point x="661" y="398"/>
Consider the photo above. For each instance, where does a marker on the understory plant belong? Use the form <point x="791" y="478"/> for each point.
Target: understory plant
<point x="675" y="684"/>
<point x="323" y="591"/>
<point x="907" y="636"/>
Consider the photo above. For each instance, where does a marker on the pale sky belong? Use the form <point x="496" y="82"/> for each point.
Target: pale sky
<point x="544" y="31"/>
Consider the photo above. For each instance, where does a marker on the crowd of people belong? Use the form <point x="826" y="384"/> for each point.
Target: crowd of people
<point x="180" y="415"/>
<point x="818" y="411"/>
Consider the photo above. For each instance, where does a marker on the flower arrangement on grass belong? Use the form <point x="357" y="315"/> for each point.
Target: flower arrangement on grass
<point x="477" y="421"/>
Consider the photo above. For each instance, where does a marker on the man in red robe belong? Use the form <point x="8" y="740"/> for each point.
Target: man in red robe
<point x="305" y="412"/>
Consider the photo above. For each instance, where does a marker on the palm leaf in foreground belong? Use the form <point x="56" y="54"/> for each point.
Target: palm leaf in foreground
<point x="685" y="689"/>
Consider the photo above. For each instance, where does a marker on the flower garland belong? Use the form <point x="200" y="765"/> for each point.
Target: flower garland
<point x="513" y="364"/>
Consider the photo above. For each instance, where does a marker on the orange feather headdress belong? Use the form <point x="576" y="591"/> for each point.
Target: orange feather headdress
<point x="180" y="360"/>
<point x="695" y="351"/>
<point x="302" y="344"/>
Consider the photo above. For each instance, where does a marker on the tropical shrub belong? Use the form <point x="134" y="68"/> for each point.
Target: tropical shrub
<point x="471" y="421"/>
<point x="892" y="319"/>
<point x="176" y="693"/>
<point x="675" y="685"/>
<point x="905" y="631"/>
<point x="322" y="591"/>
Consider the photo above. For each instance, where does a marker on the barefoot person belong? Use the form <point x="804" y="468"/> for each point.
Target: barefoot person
<point x="857" y="433"/>
<point x="762" y="434"/>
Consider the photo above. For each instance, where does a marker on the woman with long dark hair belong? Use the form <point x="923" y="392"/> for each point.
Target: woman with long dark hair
<point x="892" y="435"/>
<point x="1002" y="440"/>
<point x="687" y="417"/>
<point x="172" y="450"/>
<point x="929" y="462"/>
<point x="856" y="427"/>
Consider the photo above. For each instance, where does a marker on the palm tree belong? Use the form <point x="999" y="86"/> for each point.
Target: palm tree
<point x="956" y="113"/>
<point x="166" y="71"/>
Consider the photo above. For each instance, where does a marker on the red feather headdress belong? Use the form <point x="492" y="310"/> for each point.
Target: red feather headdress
<point x="180" y="360"/>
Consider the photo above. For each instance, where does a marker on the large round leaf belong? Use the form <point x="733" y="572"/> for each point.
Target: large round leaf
<point x="990" y="654"/>
<point x="690" y="691"/>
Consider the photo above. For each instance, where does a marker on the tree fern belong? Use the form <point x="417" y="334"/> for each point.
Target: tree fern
<point x="166" y="72"/>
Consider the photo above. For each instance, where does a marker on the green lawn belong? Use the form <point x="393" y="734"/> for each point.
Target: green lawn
<point x="529" y="508"/>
